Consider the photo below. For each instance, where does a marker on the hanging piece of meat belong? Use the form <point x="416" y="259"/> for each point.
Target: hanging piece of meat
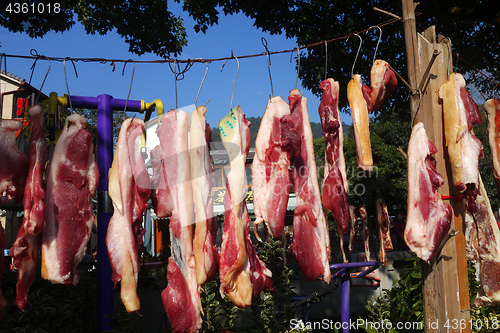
<point x="384" y="232"/>
<point x="359" y="98"/>
<point x="72" y="181"/>
<point x="460" y="113"/>
<point x="129" y="189"/>
<point x="366" y="233"/>
<point x="429" y="218"/>
<point x="13" y="163"/>
<point x="181" y="297"/>
<point x="202" y="168"/>
<point x="25" y="251"/>
<point x="383" y="82"/>
<point x="242" y="274"/>
<point x="492" y="108"/>
<point x="335" y="183"/>
<point x="311" y="239"/>
<point x="352" y="231"/>
<point x="483" y="248"/>
<point x="276" y="144"/>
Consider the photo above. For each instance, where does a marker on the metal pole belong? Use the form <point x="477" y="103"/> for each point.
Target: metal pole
<point x="105" y="292"/>
<point x="345" y="307"/>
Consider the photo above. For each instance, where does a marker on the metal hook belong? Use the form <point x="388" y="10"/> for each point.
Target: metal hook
<point x="66" y="81"/>
<point x="236" y="76"/>
<point x="326" y="60"/>
<point x="378" y="41"/>
<point x="449" y="55"/>
<point x="357" y="53"/>
<point x="418" y="106"/>
<point x="175" y="84"/>
<point x="199" y="89"/>
<point x="264" y="43"/>
<point x="43" y="82"/>
<point x="131" y="80"/>
<point x="298" y="64"/>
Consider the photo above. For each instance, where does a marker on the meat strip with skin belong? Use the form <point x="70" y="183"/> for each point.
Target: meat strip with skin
<point x="492" y="108"/>
<point x="72" y="181"/>
<point x="181" y="297"/>
<point x="202" y="168"/>
<point x="276" y="144"/>
<point x="242" y="274"/>
<point x="129" y="189"/>
<point x="311" y="239"/>
<point x="334" y="196"/>
<point x="429" y="218"/>
<point x="25" y="251"/>
<point x="383" y="82"/>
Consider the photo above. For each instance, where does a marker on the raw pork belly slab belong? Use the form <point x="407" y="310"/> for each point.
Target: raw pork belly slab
<point x="383" y="82"/>
<point x="129" y="189"/>
<point x="202" y="168"/>
<point x="242" y="274"/>
<point x="366" y="233"/>
<point x="429" y="217"/>
<point x="13" y="163"/>
<point x="383" y="227"/>
<point x="276" y="144"/>
<point x="27" y="246"/>
<point x="182" y="293"/>
<point x="335" y="183"/>
<point x="483" y="248"/>
<point x="3" y="301"/>
<point x="492" y="108"/>
<point x="71" y="183"/>
<point x="311" y="239"/>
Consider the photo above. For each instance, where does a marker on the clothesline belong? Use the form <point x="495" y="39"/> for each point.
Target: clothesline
<point x="35" y="56"/>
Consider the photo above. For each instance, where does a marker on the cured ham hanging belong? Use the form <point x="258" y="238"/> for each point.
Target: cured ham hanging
<point x="460" y="113"/>
<point x="72" y="181"/>
<point x="383" y="81"/>
<point x="335" y="183"/>
<point x="25" y="251"/>
<point x="366" y="233"/>
<point x="202" y="168"/>
<point x="276" y="145"/>
<point x="492" y="108"/>
<point x="181" y="297"/>
<point x="13" y="163"/>
<point x="383" y="227"/>
<point x="359" y="96"/>
<point x="429" y="218"/>
<point x="242" y="274"/>
<point x="311" y="240"/>
<point x="483" y="248"/>
<point x="129" y="190"/>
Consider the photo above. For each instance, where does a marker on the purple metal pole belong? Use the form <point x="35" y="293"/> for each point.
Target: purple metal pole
<point x="345" y="303"/>
<point x="105" y="292"/>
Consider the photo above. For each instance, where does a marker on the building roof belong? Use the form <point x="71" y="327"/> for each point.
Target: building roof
<point x="20" y="80"/>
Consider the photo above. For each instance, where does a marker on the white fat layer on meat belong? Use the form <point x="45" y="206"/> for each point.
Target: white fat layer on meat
<point x="470" y="151"/>
<point x="377" y="75"/>
<point x="492" y="108"/>
<point x="459" y="82"/>
<point x="418" y="150"/>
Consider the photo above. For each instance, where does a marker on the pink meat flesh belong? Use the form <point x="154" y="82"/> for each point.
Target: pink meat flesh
<point x="27" y="246"/>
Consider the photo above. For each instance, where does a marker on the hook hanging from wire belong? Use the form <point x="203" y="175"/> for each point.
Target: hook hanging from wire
<point x="43" y="82"/>
<point x="298" y="64"/>
<point x="235" y="77"/>
<point x="130" y="88"/>
<point x="179" y="75"/>
<point x="357" y="53"/>
<point x="264" y="43"/>
<point x="201" y="84"/>
<point x="418" y="106"/>
<point x="66" y="80"/>
<point x="378" y="41"/>
<point x="326" y="59"/>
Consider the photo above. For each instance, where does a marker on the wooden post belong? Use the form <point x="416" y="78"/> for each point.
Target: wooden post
<point x="445" y="280"/>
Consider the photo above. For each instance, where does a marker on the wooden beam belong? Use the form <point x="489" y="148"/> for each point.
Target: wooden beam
<point x="445" y="280"/>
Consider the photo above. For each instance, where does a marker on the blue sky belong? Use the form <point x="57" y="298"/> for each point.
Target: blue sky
<point x="156" y="81"/>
